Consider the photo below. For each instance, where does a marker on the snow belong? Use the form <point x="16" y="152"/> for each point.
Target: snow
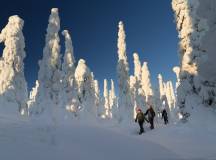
<point x="104" y="141"/>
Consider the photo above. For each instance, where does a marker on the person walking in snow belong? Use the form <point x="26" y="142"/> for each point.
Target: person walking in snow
<point x="151" y="114"/>
<point x="140" y="118"/>
<point x="165" y="116"/>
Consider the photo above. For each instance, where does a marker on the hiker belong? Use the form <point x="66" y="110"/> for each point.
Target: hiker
<point x="140" y="118"/>
<point x="151" y="114"/>
<point x="165" y="116"/>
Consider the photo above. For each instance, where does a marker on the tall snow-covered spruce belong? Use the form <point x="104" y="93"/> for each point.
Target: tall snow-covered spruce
<point x="137" y="67"/>
<point x="49" y="75"/>
<point x="124" y="101"/>
<point x="161" y="85"/>
<point x="69" y="87"/>
<point x="33" y="94"/>
<point x="106" y="100"/>
<point x="113" y="101"/>
<point x="137" y="92"/>
<point x="170" y="95"/>
<point x="86" y="90"/>
<point x="13" y="86"/>
<point x="97" y="97"/>
<point x="146" y="83"/>
<point x="195" y="25"/>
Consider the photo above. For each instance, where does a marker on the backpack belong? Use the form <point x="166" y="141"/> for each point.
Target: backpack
<point x="151" y="113"/>
<point x="140" y="116"/>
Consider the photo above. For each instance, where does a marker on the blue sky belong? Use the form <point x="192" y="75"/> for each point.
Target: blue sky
<point x="93" y="24"/>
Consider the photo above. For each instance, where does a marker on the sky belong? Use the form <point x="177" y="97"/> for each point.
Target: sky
<point x="93" y="24"/>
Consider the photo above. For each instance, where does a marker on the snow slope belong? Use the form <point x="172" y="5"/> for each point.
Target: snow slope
<point x="22" y="138"/>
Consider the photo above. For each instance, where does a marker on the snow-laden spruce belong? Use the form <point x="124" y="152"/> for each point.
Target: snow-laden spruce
<point x="86" y="90"/>
<point x="124" y="101"/>
<point x="69" y="87"/>
<point x="137" y="67"/>
<point x="137" y="93"/>
<point x="169" y="92"/>
<point x="146" y="83"/>
<point x="170" y="100"/>
<point x="97" y="97"/>
<point x="196" y="28"/>
<point x="49" y="75"/>
<point x="13" y="86"/>
<point x="106" y="100"/>
<point x="134" y="86"/>
<point x="113" y="101"/>
<point x="161" y="85"/>
<point x="33" y="94"/>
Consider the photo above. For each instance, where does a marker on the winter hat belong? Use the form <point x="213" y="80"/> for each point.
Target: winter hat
<point x="138" y="109"/>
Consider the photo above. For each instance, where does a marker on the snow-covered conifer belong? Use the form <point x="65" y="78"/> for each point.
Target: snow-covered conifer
<point x="170" y="95"/>
<point x="137" y="67"/>
<point x="33" y="94"/>
<point x="49" y="75"/>
<point x="137" y="93"/>
<point x="86" y="89"/>
<point x="146" y="82"/>
<point x="106" y="100"/>
<point x="124" y="102"/>
<point x="161" y="85"/>
<point x="197" y="66"/>
<point x="69" y="88"/>
<point x="13" y="86"/>
<point x="97" y="96"/>
<point x="69" y="60"/>
<point x="113" y="100"/>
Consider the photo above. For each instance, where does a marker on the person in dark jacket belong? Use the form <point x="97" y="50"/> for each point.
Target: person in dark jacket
<point x="151" y="114"/>
<point x="140" y="118"/>
<point x="165" y="116"/>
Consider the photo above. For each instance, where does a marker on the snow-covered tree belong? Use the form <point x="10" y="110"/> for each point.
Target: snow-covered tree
<point x="97" y="96"/>
<point x="113" y="101"/>
<point x="33" y="94"/>
<point x="69" y="91"/>
<point x="160" y="94"/>
<point x="69" y="60"/>
<point x="137" y="67"/>
<point x="134" y="93"/>
<point x="196" y="28"/>
<point x="124" y="101"/>
<point x="146" y="82"/>
<point x="157" y="101"/>
<point x="86" y="89"/>
<point x="49" y="75"/>
<point x="170" y="95"/>
<point x="106" y="100"/>
<point x="161" y="85"/>
<point x="137" y="92"/>
<point x="13" y="86"/>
